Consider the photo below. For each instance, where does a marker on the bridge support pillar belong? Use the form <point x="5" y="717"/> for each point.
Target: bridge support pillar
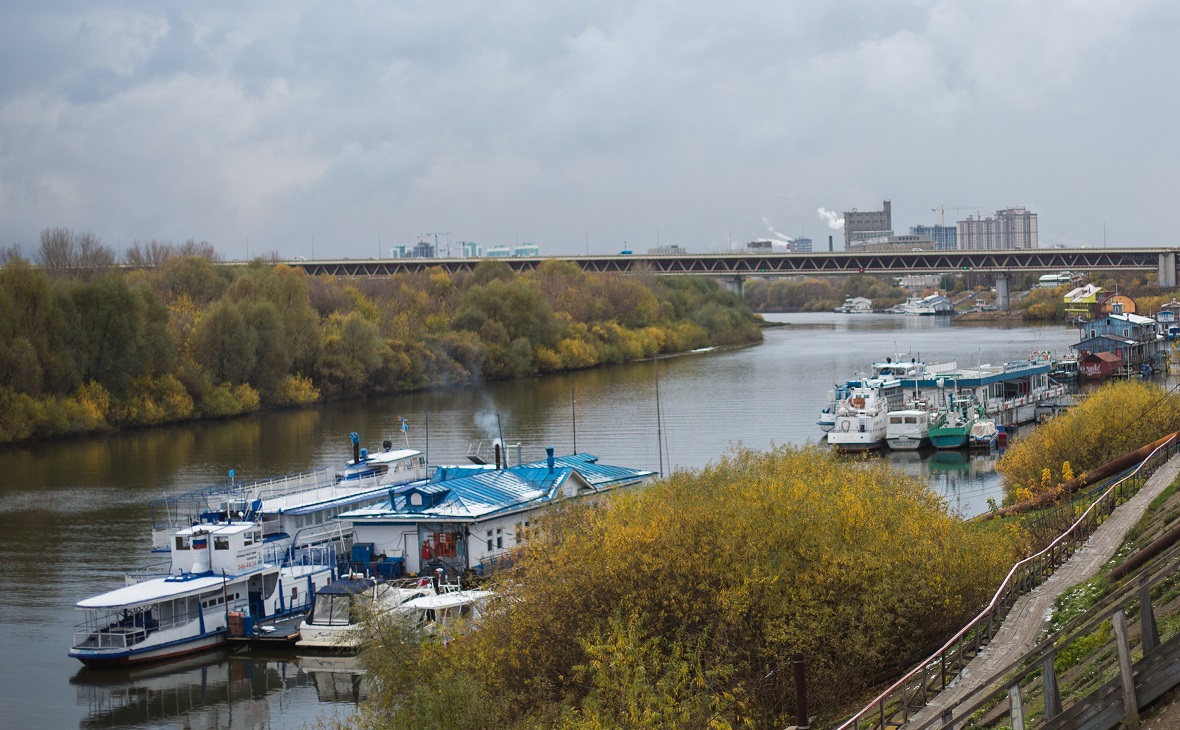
<point x="1003" y="300"/>
<point x="1167" y="269"/>
<point x="734" y="284"/>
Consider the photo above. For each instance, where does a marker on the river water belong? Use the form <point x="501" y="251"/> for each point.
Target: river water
<point x="74" y="514"/>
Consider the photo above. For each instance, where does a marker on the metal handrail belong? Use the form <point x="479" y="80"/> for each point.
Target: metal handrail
<point x="1055" y="550"/>
<point x="1083" y="625"/>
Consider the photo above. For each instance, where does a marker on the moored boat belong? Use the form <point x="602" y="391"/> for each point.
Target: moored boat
<point x="951" y="427"/>
<point x="216" y="569"/>
<point x="984" y="434"/>
<point x="908" y="429"/>
<point x="862" y="417"/>
<point x="336" y="619"/>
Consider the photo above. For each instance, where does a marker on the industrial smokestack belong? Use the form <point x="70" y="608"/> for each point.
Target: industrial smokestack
<point x="829" y="244"/>
<point x="497" y="454"/>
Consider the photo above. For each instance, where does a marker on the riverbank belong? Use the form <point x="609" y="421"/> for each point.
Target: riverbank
<point x="189" y="341"/>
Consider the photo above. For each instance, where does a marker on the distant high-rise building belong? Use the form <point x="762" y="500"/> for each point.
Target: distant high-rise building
<point x="1011" y="228"/>
<point x="945" y="237"/>
<point x="423" y="250"/>
<point x="471" y="250"/>
<point x="877" y="221"/>
<point x="801" y="245"/>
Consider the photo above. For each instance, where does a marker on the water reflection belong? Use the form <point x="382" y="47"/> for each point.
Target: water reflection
<point x="218" y="691"/>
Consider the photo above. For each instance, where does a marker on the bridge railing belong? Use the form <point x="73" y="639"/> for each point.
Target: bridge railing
<point x="893" y="707"/>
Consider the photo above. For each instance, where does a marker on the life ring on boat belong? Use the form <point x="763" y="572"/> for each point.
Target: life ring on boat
<point x="844" y="426"/>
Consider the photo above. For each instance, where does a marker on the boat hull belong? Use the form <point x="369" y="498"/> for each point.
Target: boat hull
<point x="949" y="438"/>
<point x="906" y="443"/>
<point x="144" y="655"/>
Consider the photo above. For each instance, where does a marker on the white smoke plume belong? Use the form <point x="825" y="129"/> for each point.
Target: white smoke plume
<point x="778" y="237"/>
<point x="834" y="221"/>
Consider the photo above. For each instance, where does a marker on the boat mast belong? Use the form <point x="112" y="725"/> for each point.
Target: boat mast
<point x="574" y="409"/>
<point x="659" y="423"/>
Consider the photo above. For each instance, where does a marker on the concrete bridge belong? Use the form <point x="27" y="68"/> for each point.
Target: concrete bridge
<point x="734" y="267"/>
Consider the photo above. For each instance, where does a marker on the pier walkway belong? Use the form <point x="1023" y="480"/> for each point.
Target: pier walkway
<point x="1030" y="614"/>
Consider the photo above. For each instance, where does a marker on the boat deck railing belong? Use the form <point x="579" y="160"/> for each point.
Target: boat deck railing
<point x="149" y="572"/>
<point x="123" y="629"/>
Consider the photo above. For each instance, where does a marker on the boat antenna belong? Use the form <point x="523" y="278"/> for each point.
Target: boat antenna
<point x="574" y="410"/>
<point x="427" y="438"/>
<point x="659" y="423"/>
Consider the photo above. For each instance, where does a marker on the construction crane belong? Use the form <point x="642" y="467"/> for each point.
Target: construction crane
<point x="422" y="236"/>
<point x="942" y="209"/>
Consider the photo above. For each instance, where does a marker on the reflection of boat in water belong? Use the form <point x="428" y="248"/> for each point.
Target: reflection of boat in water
<point x="213" y="690"/>
<point x="950" y="461"/>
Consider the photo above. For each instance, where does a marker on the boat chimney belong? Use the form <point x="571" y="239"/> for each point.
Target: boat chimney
<point x="549" y="458"/>
<point x="497" y="454"/>
<point x="829" y="244"/>
<point x="356" y="447"/>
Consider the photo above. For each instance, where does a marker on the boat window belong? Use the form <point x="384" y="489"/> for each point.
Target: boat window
<point x="319" y="518"/>
<point x="182" y="542"/>
<point x="895" y="419"/>
<point x="220" y="542"/>
<point x="499" y="538"/>
<point x="248" y="538"/>
<point x="911" y="419"/>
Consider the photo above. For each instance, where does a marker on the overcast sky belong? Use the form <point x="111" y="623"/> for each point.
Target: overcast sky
<point x="347" y="127"/>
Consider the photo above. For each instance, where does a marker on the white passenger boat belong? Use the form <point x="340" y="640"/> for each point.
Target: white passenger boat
<point x="296" y="510"/>
<point x="908" y="429"/>
<point x="827" y="416"/>
<point x="862" y="417"/>
<point x="216" y="569"/>
<point x="340" y="608"/>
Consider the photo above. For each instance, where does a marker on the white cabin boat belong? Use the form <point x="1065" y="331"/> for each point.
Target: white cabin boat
<point x="862" y="417"/>
<point x="296" y="510"/>
<point x="984" y="434"/>
<point x="908" y="429"/>
<point x="335" y="620"/>
<point x="216" y="569"/>
<point x="448" y="613"/>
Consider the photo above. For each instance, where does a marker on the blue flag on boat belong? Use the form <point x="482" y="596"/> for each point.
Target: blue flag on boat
<point x="405" y="426"/>
<point x="231" y="474"/>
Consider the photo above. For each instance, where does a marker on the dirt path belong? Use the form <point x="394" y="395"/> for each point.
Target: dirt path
<point x="1029" y="616"/>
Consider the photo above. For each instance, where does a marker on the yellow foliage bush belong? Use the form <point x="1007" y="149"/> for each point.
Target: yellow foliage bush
<point x="1114" y="420"/>
<point x="679" y="599"/>
<point x="296" y="390"/>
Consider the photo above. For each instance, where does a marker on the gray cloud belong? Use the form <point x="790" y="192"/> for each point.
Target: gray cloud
<point x="357" y="122"/>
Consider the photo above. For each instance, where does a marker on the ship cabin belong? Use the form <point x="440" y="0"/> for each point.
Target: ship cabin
<point x="471" y="517"/>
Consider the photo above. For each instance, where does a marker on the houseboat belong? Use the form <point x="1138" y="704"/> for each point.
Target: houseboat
<point x="1168" y="319"/>
<point x="471" y="517"/>
<point x="856" y="305"/>
<point x="1120" y="345"/>
<point x="935" y="304"/>
<point x="217" y="568"/>
<point x="1007" y="393"/>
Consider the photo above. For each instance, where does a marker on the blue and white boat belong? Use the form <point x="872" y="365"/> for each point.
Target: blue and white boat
<point x="217" y="569"/>
<point x="296" y="510"/>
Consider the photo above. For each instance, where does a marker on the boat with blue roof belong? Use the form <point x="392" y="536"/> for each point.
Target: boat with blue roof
<point x="471" y="517"/>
